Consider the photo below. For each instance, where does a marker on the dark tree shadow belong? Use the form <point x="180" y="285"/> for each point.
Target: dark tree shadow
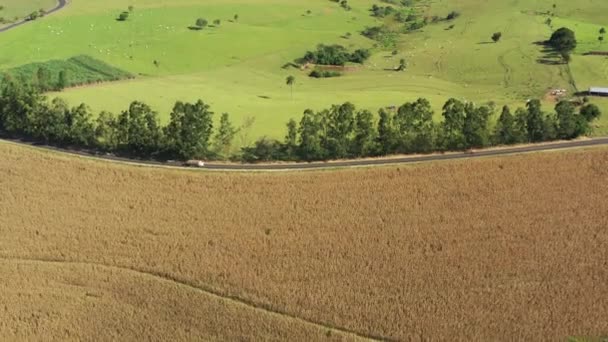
<point x="289" y="65"/>
<point x="550" y="55"/>
<point x="547" y="61"/>
<point x="264" y="97"/>
<point x="485" y="43"/>
<point x="194" y="28"/>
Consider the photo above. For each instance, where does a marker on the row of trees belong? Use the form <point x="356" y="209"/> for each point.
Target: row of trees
<point x="342" y="131"/>
<point x="135" y="132"/>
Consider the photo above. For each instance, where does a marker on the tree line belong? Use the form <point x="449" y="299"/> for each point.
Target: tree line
<point x="341" y="131"/>
<point x="136" y="131"/>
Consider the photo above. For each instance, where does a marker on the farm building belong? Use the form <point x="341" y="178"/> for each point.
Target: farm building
<point x="596" y="91"/>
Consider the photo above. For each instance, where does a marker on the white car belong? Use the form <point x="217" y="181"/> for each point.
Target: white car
<point x="195" y="163"/>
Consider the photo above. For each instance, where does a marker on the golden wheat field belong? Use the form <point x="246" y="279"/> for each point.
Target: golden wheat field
<point x="512" y="248"/>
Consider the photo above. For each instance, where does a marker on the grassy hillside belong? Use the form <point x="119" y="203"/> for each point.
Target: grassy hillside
<point x="79" y="70"/>
<point x="237" y="66"/>
<point x="475" y="250"/>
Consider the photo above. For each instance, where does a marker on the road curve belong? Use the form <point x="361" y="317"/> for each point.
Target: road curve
<point x="212" y="166"/>
<point x="60" y="4"/>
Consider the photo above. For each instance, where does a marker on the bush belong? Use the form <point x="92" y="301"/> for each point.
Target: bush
<point x="324" y="74"/>
<point x="335" y="55"/>
<point x="452" y="15"/>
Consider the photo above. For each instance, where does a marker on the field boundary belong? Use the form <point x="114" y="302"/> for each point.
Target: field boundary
<point x="385" y="161"/>
<point x="207" y="290"/>
<point x="60" y="5"/>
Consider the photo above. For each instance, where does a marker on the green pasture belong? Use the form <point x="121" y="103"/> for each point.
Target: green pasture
<point x="237" y="67"/>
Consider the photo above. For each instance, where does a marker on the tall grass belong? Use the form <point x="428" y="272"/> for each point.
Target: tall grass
<point x="491" y="249"/>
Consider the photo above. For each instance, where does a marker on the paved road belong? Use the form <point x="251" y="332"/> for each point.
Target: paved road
<point x="326" y="165"/>
<point x="60" y="4"/>
<point x="407" y="160"/>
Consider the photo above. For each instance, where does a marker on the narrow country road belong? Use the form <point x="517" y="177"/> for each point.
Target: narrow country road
<point x="408" y="160"/>
<point x="333" y="164"/>
<point x="60" y="4"/>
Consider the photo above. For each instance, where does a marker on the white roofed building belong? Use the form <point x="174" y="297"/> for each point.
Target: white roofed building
<point x="598" y="91"/>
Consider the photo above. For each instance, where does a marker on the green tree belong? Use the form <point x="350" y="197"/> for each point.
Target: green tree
<point x="201" y="23"/>
<point x="264" y="149"/>
<point x="106" y="131"/>
<point x="454" y="115"/>
<point x="534" y="121"/>
<point x="364" y="142"/>
<point x="504" y="132"/>
<point x="123" y="16"/>
<point x="340" y="128"/>
<point x="550" y="127"/>
<point x="310" y="137"/>
<point x="600" y="39"/>
<point x="415" y="127"/>
<point x="590" y="112"/>
<point x="603" y="30"/>
<point x="33" y="16"/>
<point x="224" y="135"/>
<point x="236" y="17"/>
<point x="291" y="140"/>
<point x="386" y="132"/>
<point x="475" y="128"/>
<point x="63" y="80"/>
<point x="43" y="79"/>
<point x="563" y="40"/>
<point x="18" y="101"/>
<point x="49" y="124"/>
<point x="566" y="120"/>
<point x="189" y="130"/>
<point x="138" y="130"/>
<point x="81" y="130"/>
<point x="520" y="131"/>
<point x="496" y="37"/>
<point x="290" y="81"/>
<point x="217" y="22"/>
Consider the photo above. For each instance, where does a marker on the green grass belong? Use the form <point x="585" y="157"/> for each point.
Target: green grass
<point x="80" y="70"/>
<point x="20" y="8"/>
<point x="236" y="67"/>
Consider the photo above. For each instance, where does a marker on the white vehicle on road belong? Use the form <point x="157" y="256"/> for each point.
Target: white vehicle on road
<point x="195" y="163"/>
